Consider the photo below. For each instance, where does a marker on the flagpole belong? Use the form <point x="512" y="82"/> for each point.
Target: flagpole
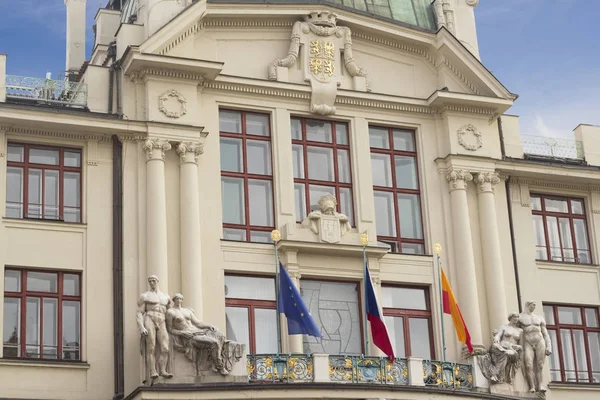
<point x="276" y="237"/>
<point x="364" y="240"/>
<point x="437" y="248"/>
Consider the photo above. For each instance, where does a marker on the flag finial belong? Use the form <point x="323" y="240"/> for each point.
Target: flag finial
<point x="437" y="248"/>
<point x="275" y="235"/>
<point x="364" y="239"/>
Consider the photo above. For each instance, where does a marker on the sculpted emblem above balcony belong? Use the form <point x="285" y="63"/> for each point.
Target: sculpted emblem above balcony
<point x="472" y="144"/>
<point x="324" y="42"/>
<point x="172" y="104"/>
<point x="326" y="222"/>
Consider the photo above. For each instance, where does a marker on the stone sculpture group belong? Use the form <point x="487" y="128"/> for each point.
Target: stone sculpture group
<point x="164" y="327"/>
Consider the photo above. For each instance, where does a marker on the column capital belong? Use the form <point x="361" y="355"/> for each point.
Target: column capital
<point x="155" y="148"/>
<point x="486" y="181"/>
<point x="189" y="151"/>
<point x="458" y="179"/>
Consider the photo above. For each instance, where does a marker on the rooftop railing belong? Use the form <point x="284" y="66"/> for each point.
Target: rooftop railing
<point x="46" y="91"/>
<point x="552" y="147"/>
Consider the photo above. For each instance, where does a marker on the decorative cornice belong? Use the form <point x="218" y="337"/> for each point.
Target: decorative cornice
<point x="166" y="73"/>
<point x="397" y="45"/>
<point x="56" y="134"/>
<point x="189" y="151"/>
<point x="132" y="138"/>
<point x="468" y="109"/>
<point x="458" y="73"/>
<point x="486" y="181"/>
<point x="246" y="23"/>
<point x="155" y="148"/>
<point x="277" y="92"/>
<point x="587" y="188"/>
<point x="184" y="35"/>
<point x="383" y="104"/>
<point x="458" y="179"/>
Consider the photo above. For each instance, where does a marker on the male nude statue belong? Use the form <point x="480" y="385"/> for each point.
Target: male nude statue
<point x="152" y="306"/>
<point x="536" y="346"/>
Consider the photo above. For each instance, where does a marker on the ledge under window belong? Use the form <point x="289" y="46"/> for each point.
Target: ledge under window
<point x="557" y="265"/>
<point x="22" y="362"/>
<point x="574" y="385"/>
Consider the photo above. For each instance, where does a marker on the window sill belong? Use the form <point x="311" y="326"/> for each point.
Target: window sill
<point x="556" y="265"/>
<point x="41" y="223"/>
<point x="20" y="362"/>
<point x="574" y="385"/>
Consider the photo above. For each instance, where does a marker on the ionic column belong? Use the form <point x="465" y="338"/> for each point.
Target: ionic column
<point x="490" y="240"/>
<point x="189" y="223"/>
<point x="463" y="249"/>
<point x="156" y="210"/>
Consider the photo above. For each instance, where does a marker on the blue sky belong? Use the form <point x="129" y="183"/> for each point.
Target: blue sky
<point x="547" y="51"/>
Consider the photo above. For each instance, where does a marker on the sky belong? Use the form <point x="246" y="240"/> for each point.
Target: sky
<point x="546" y="51"/>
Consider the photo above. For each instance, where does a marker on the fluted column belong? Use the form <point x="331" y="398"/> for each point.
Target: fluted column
<point x="189" y="224"/>
<point x="463" y="249"/>
<point x="296" y="341"/>
<point x="156" y="210"/>
<point x="490" y="240"/>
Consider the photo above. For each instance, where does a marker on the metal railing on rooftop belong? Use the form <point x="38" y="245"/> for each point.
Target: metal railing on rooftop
<point x="48" y="91"/>
<point x="552" y="147"/>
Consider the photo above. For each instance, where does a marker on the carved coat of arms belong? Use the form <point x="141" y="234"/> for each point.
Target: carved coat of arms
<point x="330" y="231"/>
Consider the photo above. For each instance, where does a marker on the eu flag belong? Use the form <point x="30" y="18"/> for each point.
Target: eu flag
<point x="291" y="304"/>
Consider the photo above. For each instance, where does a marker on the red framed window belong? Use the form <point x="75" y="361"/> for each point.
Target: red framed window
<point x="321" y="157"/>
<point x="575" y="335"/>
<point x="407" y="315"/>
<point x="43" y="182"/>
<point x="560" y="229"/>
<point x="250" y="311"/>
<point x="396" y="189"/>
<point x="42" y="314"/>
<point x="246" y="176"/>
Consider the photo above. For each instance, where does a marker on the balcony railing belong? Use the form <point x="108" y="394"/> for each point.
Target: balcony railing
<point x="344" y="369"/>
<point x="552" y="147"/>
<point x="48" y="91"/>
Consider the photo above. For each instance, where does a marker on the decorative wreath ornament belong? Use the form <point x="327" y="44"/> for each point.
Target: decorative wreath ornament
<point x="469" y="146"/>
<point x="163" y="98"/>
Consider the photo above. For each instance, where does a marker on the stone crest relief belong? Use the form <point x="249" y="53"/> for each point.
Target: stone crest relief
<point x="172" y="104"/>
<point x="325" y="42"/>
<point x="470" y="138"/>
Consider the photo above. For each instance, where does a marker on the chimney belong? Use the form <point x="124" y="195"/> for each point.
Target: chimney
<point x="75" y="34"/>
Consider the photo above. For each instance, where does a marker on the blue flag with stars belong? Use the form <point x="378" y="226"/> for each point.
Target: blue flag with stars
<point x="291" y="304"/>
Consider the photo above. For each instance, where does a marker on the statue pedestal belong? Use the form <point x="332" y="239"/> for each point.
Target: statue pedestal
<point x="506" y="389"/>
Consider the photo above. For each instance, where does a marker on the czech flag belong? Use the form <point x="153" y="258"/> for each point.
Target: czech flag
<point x="450" y="306"/>
<point x="379" y="332"/>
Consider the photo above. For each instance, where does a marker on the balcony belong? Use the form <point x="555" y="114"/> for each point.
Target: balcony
<point x="46" y="91"/>
<point x="553" y="148"/>
<point x="340" y="369"/>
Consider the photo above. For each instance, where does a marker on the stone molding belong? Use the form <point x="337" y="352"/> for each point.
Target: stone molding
<point x="189" y="152"/>
<point x="362" y="102"/>
<point x="555" y="185"/>
<point x="486" y="181"/>
<point x="458" y="179"/>
<point x="468" y="109"/>
<point x="55" y="134"/>
<point x="458" y="73"/>
<point x="278" y="92"/>
<point x="184" y="35"/>
<point x="461" y="137"/>
<point x="397" y="45"/>
<point x="165" y="73"/>
<point x="164" y="98"/>
<point x="155" y="148"/>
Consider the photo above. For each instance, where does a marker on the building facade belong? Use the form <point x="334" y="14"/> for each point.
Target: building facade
<point x="197" y="128"/>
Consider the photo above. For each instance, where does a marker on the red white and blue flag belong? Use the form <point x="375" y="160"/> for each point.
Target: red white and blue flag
<point x="379" y="332"/>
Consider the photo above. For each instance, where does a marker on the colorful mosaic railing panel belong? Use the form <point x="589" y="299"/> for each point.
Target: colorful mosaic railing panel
<point x="359" y="369"/>
<point x="552" y="147"/>
<point x="279" y="368"/>
<point x="63" y="92"/>
<point x="448" y="374"/>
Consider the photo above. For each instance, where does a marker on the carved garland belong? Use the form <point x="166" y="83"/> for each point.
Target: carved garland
<point x="468" y="146"/>
<point x="172" y="113"/>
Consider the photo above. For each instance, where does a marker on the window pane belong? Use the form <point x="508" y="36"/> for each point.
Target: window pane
<point x="549" y="315"/>
<point x="567" y="241"/>
<point x="556" y="205"/>
<point x="298" y="160"/>
<point x="346" y="204"/>
<point x="14" y="192"/>
<point x="71" y="325"/>
<point x="403" y="140"/>
<point x="72" y="159"/>
<point x="318" y="131"/>
<point x="259" y="157"/>
<point x="11" y="329"/>
<point x="43" y="156"/>
<point x="555" y="250"/>
<point x="71" y="285"/>
<point x="594" y="343"/>
<point x="230" y="121"/>
<point x="406" y="298"/>
<point x="265" y="327"/>
<point x="410" y="216"/>
<point x="15" y="153"/>
<point x="569" y="315"/>
<point x="554" y="358"/>
<point x="568" y="355"/>
<point x="320" y="163"/>
<point x="231" y="155"/>
<point x="50" y="328"/>
<point x="300" y="201"/>
<point x="540" y="238"/>
<point x="343" y="160"/>
<point x="406" y="172"/>
<point x="412" y="248"/>
<point x="32" y="336"/>
<point x="260" y="237"/>
<point x="379" y="138"/>
<point x="316" y="192"/>
<point x="236" y="321"/>
<point x="260" y="197"/>
<point x="419" y="338"/>
<point x="581" y="241"/>
<point x="335" y="308"/>
<point x="232" y="193"/>
<point x="591" y="317"/>
<point x="42" y="282"/>
<point x="381" y="170"/>
<point x="51" y="192"/>
<point x="582" y="367"/>
<point x="249" y="287"/>
<point x="296" y="129"/>
<point x="536" y="203"/>
<point x="234" y="234"/>
<point x="341" y="134"/>
<point x="395" y="327"/>
<point x="71" y="196"/>
<point x="385" y="216"/>
<point x="257" y="124"/>
<point x="12" y="280"/>
<point x="34" y="209"/>
<point x="577" y="206"/>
